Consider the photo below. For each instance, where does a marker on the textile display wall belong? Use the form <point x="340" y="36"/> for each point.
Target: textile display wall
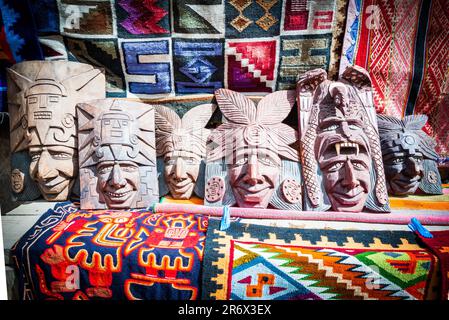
<point x="405" y="47"/>
<point x="160" y="48"/>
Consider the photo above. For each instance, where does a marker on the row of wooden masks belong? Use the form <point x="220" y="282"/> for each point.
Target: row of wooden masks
<point x="127" y="154"/>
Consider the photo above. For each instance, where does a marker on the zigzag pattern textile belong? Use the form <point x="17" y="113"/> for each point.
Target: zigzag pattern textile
<point x="405" y="47"/>
<point x="252" y="262"/>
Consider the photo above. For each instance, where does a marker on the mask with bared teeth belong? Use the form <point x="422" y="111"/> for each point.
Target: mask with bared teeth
<point x="339" y="142"/>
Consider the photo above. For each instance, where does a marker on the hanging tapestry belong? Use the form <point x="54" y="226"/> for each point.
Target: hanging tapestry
<point x="405" y="47"/>
<point x="106" y="254"/>
<point x="248" y="262"/>
<point x="157" y="48"/>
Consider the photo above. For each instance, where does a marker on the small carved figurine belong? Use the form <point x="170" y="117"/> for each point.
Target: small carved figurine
<point x="409" y="155"/>
<point x="250" y="158"/>
<point x="181" y="150"/>
<point x="42" y="96"/>
<point x="117" y="154"/>
<point x="340" y="149"/>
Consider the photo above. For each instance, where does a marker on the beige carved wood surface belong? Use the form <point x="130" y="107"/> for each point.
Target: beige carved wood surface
<point x="252" y="142"/>
<point x="181" y="145"/>
<point x="42" y="96"/>
<point x="340" y="148"/>
<point x="117" y="155"/>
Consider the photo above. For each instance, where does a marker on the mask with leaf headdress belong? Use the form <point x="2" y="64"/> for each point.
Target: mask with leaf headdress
<point x="409" y="155"/>
<point x="251" y="157"/>
<point x="181" y="150"/>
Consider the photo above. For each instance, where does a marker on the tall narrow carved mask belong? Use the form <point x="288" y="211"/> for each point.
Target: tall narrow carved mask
<point x="181" y="150"/>
<point x="250" y="158"/>
<point x="117" y="154"/>
<point x="409" y="156"/>
<point x="340" y="149"/>
<point x="42" y="96"/>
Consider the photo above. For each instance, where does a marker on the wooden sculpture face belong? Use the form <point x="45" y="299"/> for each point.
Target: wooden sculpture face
<point x="344" y="160"/>
<point x="253" y="176"/>
<point x="17" y="180"/>
<point x="404" y="166"/>
<point x="254" y="143"/>
<point x="181" y="172"/>
<point x="409" y="156"/>
<point x="118" y="183"/>
<point x="340" y="143"/>
<point x="42" y="97"/>
<point x="117" y="154"/>
<point x="54" y="168"/>
<point x="181" y="143"/>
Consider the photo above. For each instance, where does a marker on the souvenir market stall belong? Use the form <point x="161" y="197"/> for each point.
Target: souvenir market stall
<point x="225" y="150"/>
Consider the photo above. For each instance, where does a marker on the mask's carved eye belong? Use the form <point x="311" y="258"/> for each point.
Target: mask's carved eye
<point x="35" y="156"/>
<point x="105" y="169"/>
<point x="398" y="161"/>
<point x="335" y="166"/>
<point x="170" y="161"/>
<point x="266" y="160"/>
<point x="418" y="159"/>
<point x="358" y="166"/>
<point x="60" y="155"/>
<point x="241" y="161"/>
<point x="190" y="161"/>
<point x="332" y="127"/>
<point x="53" y="99"/>
<point x="129" y="168"/>
<point x="32" y="100"/>
<point x="354" y="127"/>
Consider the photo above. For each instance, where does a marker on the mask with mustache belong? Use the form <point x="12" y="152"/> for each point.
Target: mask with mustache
<point x="339" y="141"/>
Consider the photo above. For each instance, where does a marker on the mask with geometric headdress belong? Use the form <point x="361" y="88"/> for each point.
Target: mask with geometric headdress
<point x="117" y="154"/>
<point x="42" y="96"/>
<point x="409" y="155"/>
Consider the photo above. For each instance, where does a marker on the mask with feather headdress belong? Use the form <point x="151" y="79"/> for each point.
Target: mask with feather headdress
<point x="251" y="160"/>
<point x="409" y="155"/>
<point x="181" y="150"/>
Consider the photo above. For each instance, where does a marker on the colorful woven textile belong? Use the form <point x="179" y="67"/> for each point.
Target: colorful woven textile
<point x="405" y="47"/>
<point x="159" y="48"/>
<point x="439" y="245"/>
<point x="261" y="262"/>
<point x="104" y="254"/>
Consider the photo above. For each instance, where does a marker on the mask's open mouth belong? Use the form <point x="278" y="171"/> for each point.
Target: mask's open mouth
<point x="346" y="148"/>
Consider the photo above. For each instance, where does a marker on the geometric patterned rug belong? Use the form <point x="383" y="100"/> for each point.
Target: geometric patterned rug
<point x="249" y="262"/>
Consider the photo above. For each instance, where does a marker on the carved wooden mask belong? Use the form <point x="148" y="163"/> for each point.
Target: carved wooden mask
<point x="117" y="154"/>
<point x="409" y="155"/>
<point x="181" y="150"/>
<point x="250" y="160"/>
<point x="340" y="149"/>
<point x="42" y="96"/>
